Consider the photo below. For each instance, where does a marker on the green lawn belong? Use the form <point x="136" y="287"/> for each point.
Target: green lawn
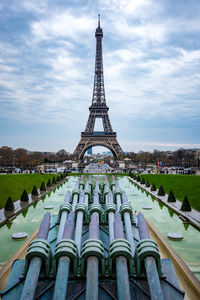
<point x="13" y="185"/>
<point x="181" y="185"/>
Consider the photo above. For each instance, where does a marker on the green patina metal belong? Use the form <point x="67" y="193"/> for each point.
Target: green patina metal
<point x="88" y="192"/>
<point x="96" y="207"/>
<point x="82" y="207"/>
<point x="93" y="247"/>
<point x="75" y="192"/>
<point x="81" y="184"/>
<point x="39" y="248"/>
<point x="145" y="248"/>
<point x="110" y="207"/>
<point x="64" y="207"/>
<point x="65" y="247"/>
<point x="117" y="191"/>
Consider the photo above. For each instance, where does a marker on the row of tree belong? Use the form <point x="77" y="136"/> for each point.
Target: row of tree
<point x="22" y="158"/>
<point x="180" y="157"/>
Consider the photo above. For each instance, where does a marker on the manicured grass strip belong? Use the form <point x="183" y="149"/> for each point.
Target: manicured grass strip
<point x="181" y="185"/>
<point x="12" y="185"/>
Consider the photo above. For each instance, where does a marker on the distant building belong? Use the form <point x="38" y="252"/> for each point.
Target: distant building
<point x="107" y="153"/>
<point x="89" y="151"/>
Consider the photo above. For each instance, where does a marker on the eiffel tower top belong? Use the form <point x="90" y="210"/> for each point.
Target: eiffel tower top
<point x="99" y="31"/>
<point x="98" y="98"/>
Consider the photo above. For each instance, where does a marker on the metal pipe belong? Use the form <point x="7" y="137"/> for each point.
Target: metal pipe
<point x="97" y="183"/>
<point x="86" y="200"/>
<point x="106" y="187"/>
<point x="81" y="180"/>
<point x="92" y="279"/>
<point x="107" y="199"/>
<point x="60" y="289"/>
<point x="63" y="218"/>
<point x="118" y="197"/>
<point x="111" y="219"/>
<point x="118" y="201"/>
<point x="87" y="187"/>
<point x="128" y="225"/>
<point x="33" y="273"/>
<point x="123" y="286"/>
<point x="113" y="181"/>
<point x="149" y="263"/>
<point x="79" y="225"/>
<point x="75" y="197"/>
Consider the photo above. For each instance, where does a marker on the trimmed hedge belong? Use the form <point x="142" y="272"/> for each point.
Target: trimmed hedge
<point x="147" y="184"/>
<point x="54" y="181"/>
<point x="161" y="191"/>
<point x="142" y="181"/>
<point x="34" y="191"/>
<point x="9" y="205"/>
<point x="24" y="196"/>
<point x="171" y="197"/>
<point x="186" y="205"/>
<point x="138" y="178"/>
<point x="153" y="187"/>
<point x="49" y="183"/>
<point x="43" y="187"/>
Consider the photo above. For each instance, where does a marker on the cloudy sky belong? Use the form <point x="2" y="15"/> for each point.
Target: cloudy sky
<point x="151" y="51"/>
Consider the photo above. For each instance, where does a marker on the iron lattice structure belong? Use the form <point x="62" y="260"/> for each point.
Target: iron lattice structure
<point x="98" y="109"/>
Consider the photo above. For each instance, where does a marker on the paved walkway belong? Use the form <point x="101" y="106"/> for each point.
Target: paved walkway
<point x="192" y="216"/>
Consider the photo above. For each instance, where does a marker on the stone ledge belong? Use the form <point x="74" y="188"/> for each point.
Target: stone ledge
<point x="192" y="216"/>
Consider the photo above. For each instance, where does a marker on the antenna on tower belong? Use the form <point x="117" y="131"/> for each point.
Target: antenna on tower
<point x="98" y="20"/>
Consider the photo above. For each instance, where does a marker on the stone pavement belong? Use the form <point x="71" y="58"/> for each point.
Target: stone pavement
<point x="192" y="216"/>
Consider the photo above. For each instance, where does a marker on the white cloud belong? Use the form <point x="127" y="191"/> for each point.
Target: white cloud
<point x="63" y="24"/>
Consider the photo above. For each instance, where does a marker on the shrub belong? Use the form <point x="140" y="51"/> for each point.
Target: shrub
<point x="142" y="181"/>
<point x="147" y="184"/>
<point x="186" y="205"/>
<point x="53" y="180"/>
<point x="9" y="205"/>
<point x="49" y="183"/>
<point x="34" y="191"/>
<point x="24" y="196"/>
<point x="43" y="187"/>
<point x="171" y="197"/>
<point x="161" y="191"/>
<point x="153" y="187"/>
<point x="138" y="178"/>
<point x="24" y="212"/>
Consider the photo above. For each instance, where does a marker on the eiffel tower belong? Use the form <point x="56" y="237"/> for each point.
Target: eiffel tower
<point x="98" y="109"/>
